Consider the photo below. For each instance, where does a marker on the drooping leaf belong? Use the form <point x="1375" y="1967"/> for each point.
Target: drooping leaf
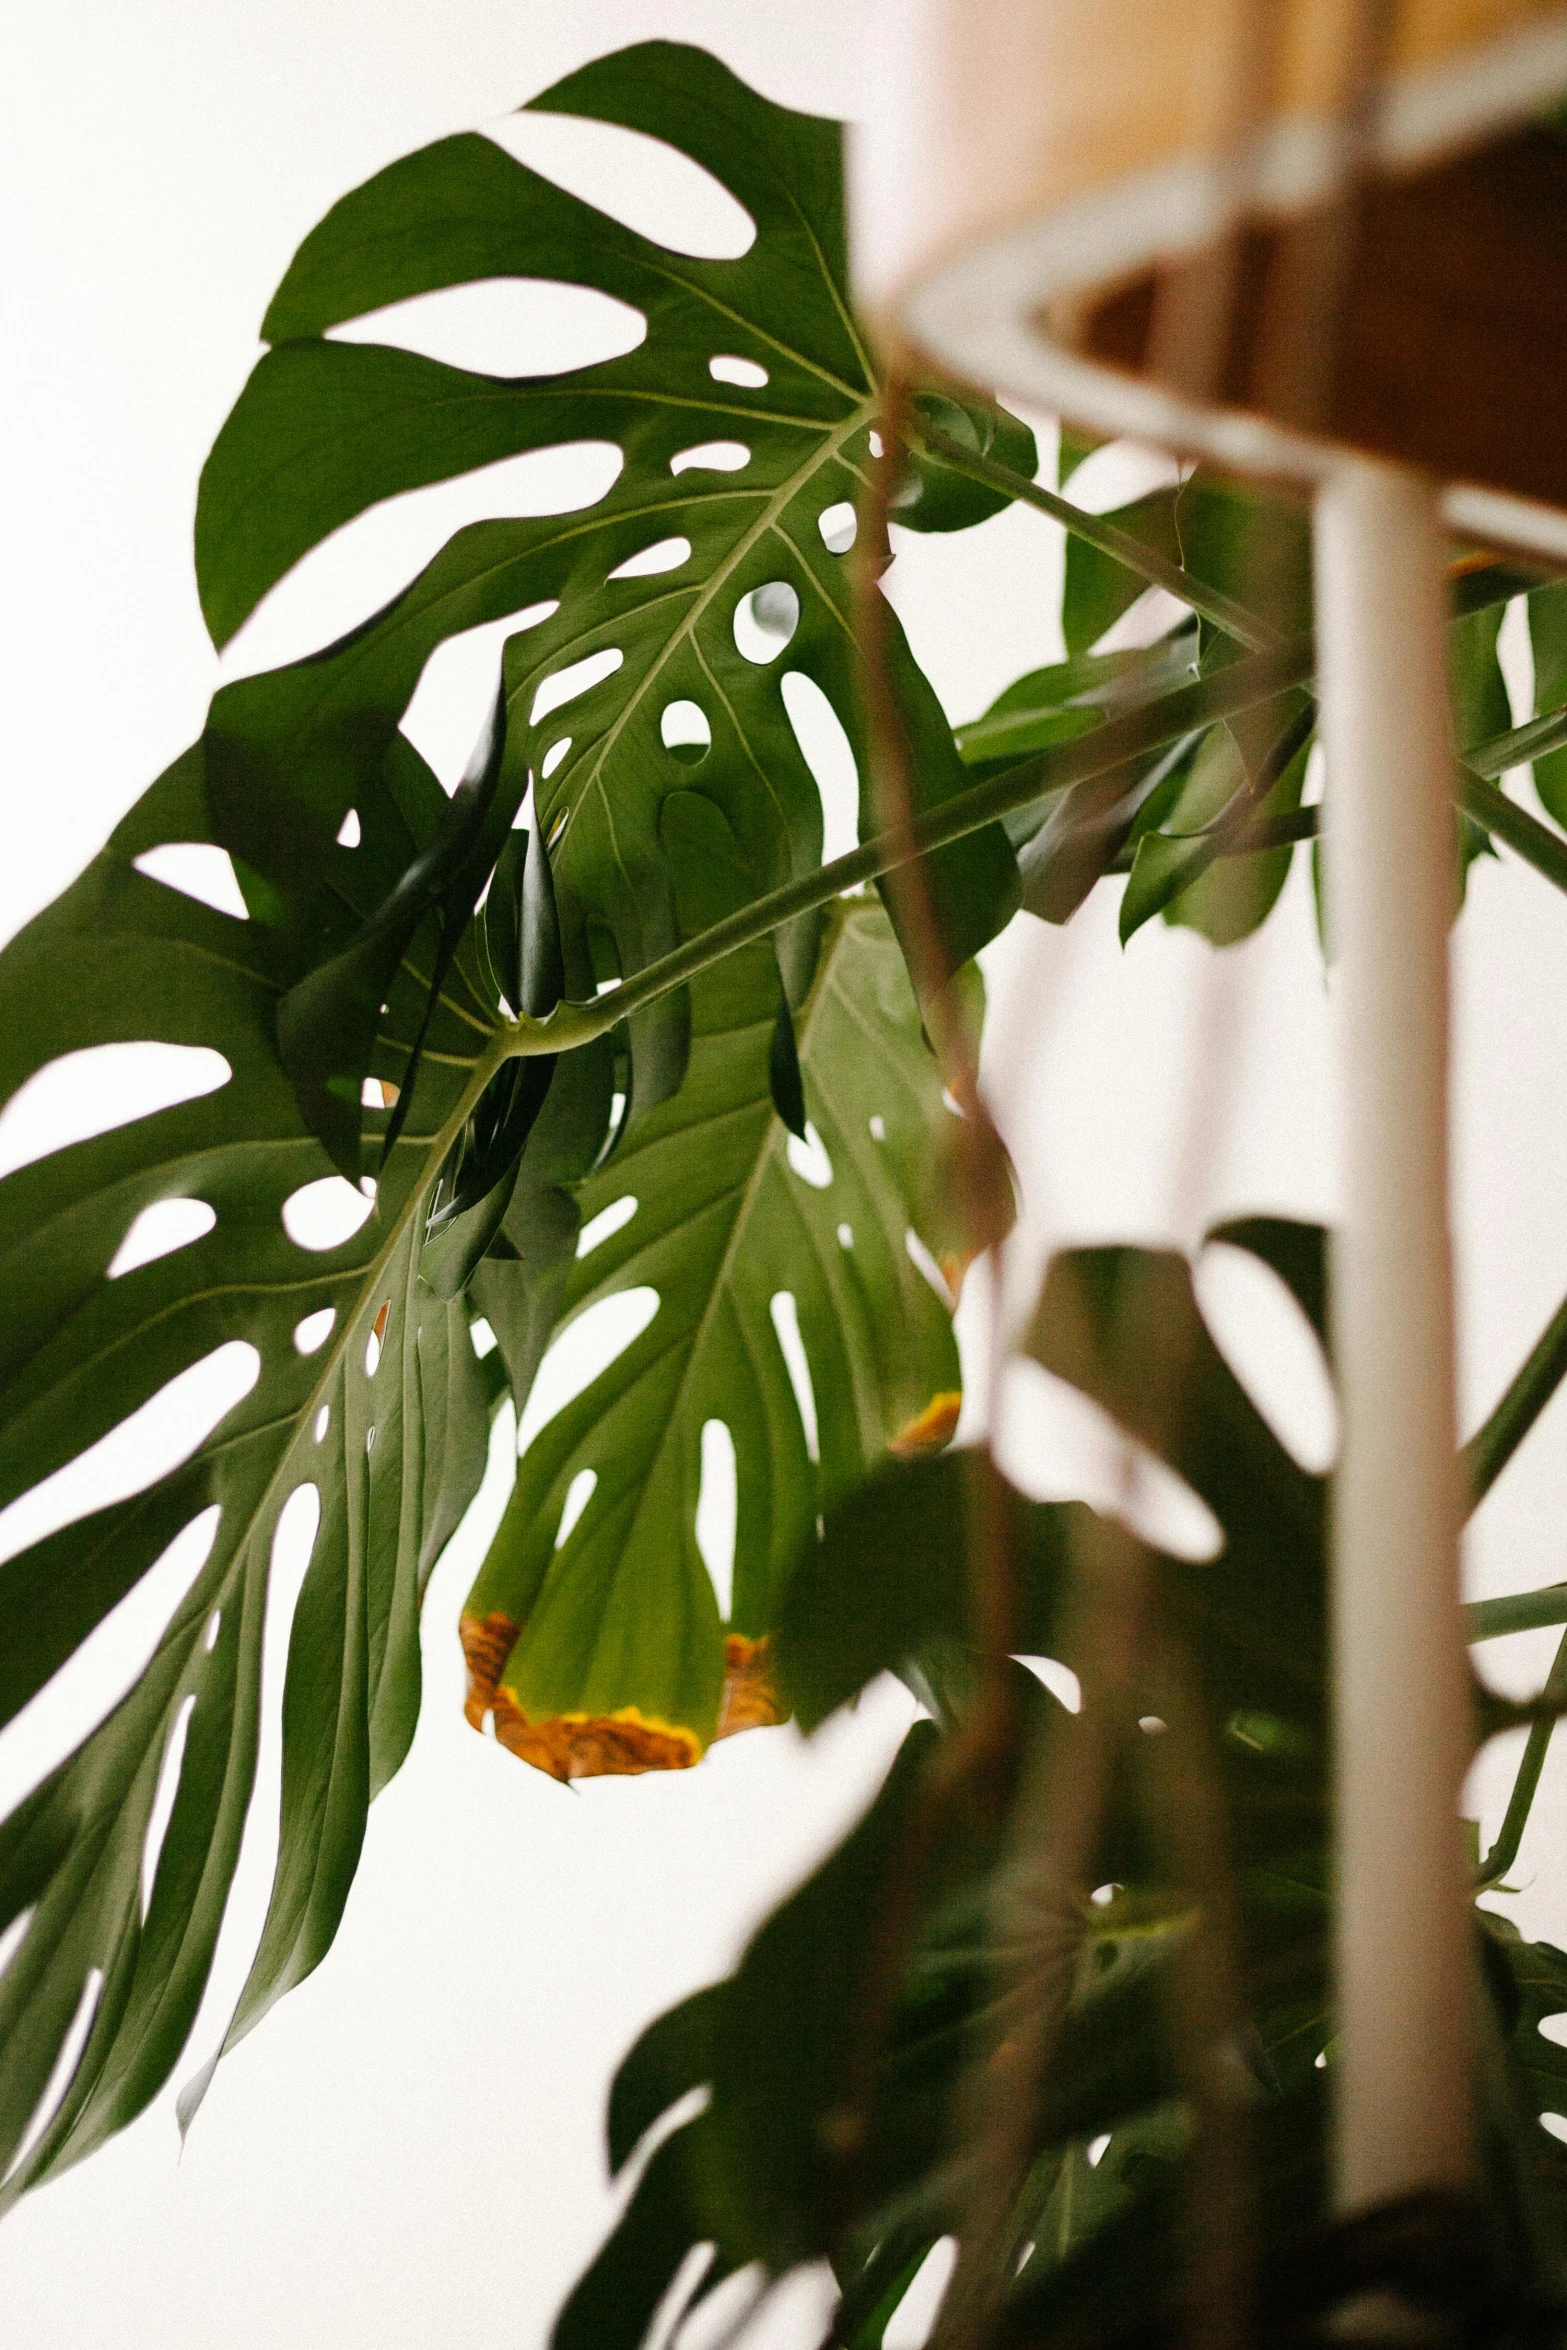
<point x="741" y="485"/>
<point x="366" y="1388"/>
<point x="611" y="1650"/>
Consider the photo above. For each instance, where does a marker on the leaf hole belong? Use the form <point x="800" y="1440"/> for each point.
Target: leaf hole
<point x="578" y="677"/>
<point x="106" y="1665"/>
<point x="504" y="326"/>
<point x="370" y="1438"/>
<point x="1061" y="1682"/>
<point x="323" y="1422"/>
<point x="839" y="526"/>
<point x="926" y="1266"/>
<point x="662" y="555"/>
<point x="312" y="1333"/>
<point x="209" y="1638"/>
<point x="377" y="1339"/>
<point x="377" y="1093"/>
<point x="63" y="2072"/>
<point x="12" y="1939"/>
<point x="808" y="1158"/>
<point x="726" y="369"/>
<point x="1056" y="1444"/>
<point x="785" y="1314"/>
<point x="716" y="1503"/>
<point x="553" y="756"/>
<point x="483" y="1337"/>
<point x="912" y="2322"/>
<point x="326" y="1213"/>
<point x="161" y="1433"/>
<point x="826" y="750"/>
<point x="455" y="698"/>
<point x="292" y="1547"/>
<point x="578" y="1494"/>
<point x="88" y="1093"/>
<point x="1268" y="1343"/>
<point x="639" y="180"/>
<point x="878" y="1127"/>
<point x="846" y="1236"/>
<point x="347" y="580"/>
<point x="1097" y="2149"/>
<point x="1555" y="2125"/>
<point x="583" y="1352"/>
<point x="349" y="834"/>
<point x="711" y="457"/>
<point x="605" y="1224"/>
<point x="197" y="869"/>
<point x="158" y="1231"/>
<point x="685" y="732"/>
<point x="765" y="620"/>
<point x="163" y="1800"/>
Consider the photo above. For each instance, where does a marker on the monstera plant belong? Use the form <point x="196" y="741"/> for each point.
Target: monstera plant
<point x="590" y="1027"/>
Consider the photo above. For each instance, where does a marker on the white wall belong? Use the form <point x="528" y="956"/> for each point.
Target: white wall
<point x="407" y="2153"/>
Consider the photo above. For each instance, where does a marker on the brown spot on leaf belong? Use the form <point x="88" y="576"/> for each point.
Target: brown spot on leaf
<point x="593" y="1746"/>
<point x="1465" y="564"/>
<point x="750" y="1701"/>
<point x="487" y="1641"/>
<point x="930" y="1429"/>
<point x="379" y="1331"/>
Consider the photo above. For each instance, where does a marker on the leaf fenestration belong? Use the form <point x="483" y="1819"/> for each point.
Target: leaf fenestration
<point x="325" y="429"/>
<point x="621" y="1623"/>
<point x="386" y="1418"/>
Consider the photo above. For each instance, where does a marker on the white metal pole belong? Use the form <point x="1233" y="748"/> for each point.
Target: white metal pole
<point x="1403" y="2065"/>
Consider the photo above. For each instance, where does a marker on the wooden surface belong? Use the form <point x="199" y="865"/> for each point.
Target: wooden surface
<point x="1451" y="349"/>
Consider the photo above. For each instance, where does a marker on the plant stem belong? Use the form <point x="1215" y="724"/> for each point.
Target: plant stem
<point x="1491" y="809"/>
<point x="1504" y="1851"/>
<point x="1519" y="1611"/>
<point x="1519" y="744"/>
<point x="1145" y="727"/>
<point x="1222" y="610"/>
<point x="1492" y="1446"/>
<point x="1546" y="851"/>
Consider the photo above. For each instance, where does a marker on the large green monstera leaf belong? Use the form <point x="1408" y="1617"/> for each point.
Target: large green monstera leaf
<point x="367" y="1023"/>
<point x="662" y="620"/>
<point x="365" y="1386"/>
<point x="596" y="1638"/>
<point x="880" y="2013"/>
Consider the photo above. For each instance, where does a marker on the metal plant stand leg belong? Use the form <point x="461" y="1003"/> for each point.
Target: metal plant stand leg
<point x="1404" y="2093"/>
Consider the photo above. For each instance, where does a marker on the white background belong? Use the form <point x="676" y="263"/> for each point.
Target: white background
<point x="408" y="2153"/>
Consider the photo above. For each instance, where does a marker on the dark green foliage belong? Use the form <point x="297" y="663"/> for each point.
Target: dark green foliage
<point x="814" y="2144"/>
<point x="365" y="1016"/>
